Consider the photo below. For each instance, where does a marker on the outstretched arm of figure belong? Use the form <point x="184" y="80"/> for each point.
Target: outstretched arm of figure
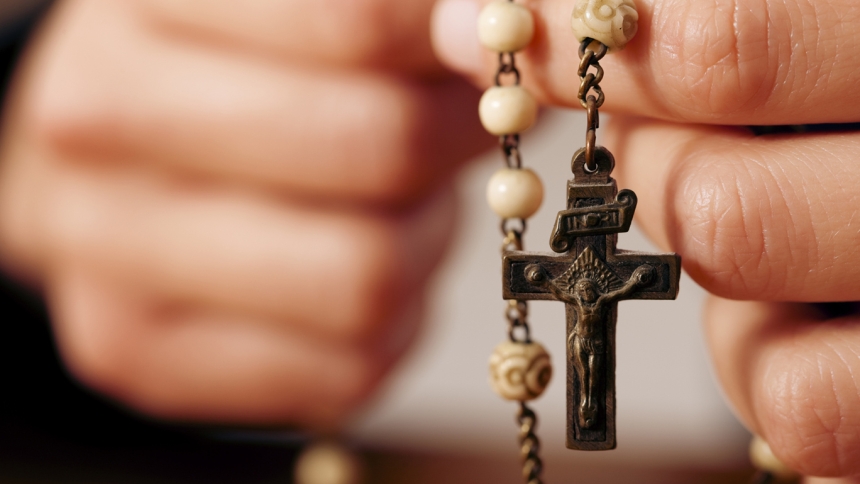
<point x="642" y="276"/>
<point x="536" y="275"/>
<point x="561" y="294"/>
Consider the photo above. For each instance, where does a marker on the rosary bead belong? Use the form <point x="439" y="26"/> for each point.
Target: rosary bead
<point x="327" y="463"/>
<point x="505" y="26"/>
<point x="515" y="193"/>
<point x="520" y="371"/>
<point x="507" y="110"/>
<point x="612" y="22"/>
<point x="762" y="457"/>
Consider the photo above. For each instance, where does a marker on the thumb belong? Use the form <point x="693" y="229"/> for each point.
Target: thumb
<point x="701" y="61"/>
<point x="454" y="33"/>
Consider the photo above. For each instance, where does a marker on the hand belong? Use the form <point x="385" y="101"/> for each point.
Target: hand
<point x="759" y="221"/>
<point x="644" y="275"/>
<point x="231" y="207"/>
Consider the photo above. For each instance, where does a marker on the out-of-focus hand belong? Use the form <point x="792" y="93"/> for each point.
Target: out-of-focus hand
<point x="233" y="207"/>
<point x="768" y="224"/>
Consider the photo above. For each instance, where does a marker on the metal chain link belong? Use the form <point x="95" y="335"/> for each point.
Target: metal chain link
<point x="517" y="315"/>
<point x="507" y="66"/>
<point x="529" y="445"/>
<point x="510" y="144"/>
<point x="590" y="94"/>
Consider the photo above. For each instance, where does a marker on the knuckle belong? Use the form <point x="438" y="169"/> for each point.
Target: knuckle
<point x="372" y="280"/>
<point x="364" y="26"/>
<point x="65" y="111"/>
<point x="812" y="416"/>
<point x="366" y="375"/>
<point x="732" y="245"/>
<point x="96" y="358"/>
<point x="720" y="59"/>
<point x="394" y="171"/>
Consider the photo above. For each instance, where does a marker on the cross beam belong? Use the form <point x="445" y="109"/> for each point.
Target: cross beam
<point x="590" y="276"/>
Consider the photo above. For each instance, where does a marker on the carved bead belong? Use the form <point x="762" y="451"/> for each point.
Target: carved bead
<point x="515" y="193"/>
<point x="520" y="371"/>
<point x="505" y="26"/>
<point x="762" y="457"/>
<point x="507" y="110"/>
<point x="612" y="22"/>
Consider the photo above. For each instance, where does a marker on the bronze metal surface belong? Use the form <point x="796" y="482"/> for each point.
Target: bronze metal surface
<point x="590" y="276"/>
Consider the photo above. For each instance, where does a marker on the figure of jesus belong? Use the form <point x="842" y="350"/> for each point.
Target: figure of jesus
<point x="587" y="341"/>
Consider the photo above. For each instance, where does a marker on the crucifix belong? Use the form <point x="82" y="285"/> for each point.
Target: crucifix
<point x="590" y="276"/>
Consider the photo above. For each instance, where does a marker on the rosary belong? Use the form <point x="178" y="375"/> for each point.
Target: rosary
<point x="586" y="271"/>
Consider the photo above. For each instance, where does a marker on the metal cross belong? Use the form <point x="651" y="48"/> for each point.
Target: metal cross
<point x="590" y="276"/>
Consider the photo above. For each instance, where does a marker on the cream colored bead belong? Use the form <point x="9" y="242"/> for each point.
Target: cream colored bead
<point x="520" y="371"/>
<point x="612" y="22"/>
<point x="762" y="457"/>
<point x="507" y="110"/>
<point x="327" y="463"/>
<point x="515" y="193"/>
<point x="505" y="26"/>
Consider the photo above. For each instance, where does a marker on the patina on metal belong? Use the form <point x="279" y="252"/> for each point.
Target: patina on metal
<point x="590" y="276"/>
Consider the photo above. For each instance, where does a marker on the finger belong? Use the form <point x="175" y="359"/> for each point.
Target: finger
<point x="339" y="273"/>
<point x="373" y="33"/>
<point x="707" y="61"/>
<point x="792" y="375"/>
<point x="319" y="133"/>
<point x="765" y="218"/>
<point x="202" y="365"/>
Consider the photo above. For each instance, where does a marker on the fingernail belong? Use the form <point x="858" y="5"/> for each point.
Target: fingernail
<point x="454" y="30"/>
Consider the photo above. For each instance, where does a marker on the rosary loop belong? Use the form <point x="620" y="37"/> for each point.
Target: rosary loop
<point x="586" y="271"/>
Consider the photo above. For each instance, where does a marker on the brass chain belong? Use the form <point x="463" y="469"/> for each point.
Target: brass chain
<point x="590" y="94"/>
<point x="529" y="445"/>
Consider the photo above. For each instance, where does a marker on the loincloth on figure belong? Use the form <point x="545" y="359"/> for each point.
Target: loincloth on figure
<point x="590" y="346"/>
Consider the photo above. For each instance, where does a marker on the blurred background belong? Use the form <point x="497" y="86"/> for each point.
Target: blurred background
<point x="436" y="420"/>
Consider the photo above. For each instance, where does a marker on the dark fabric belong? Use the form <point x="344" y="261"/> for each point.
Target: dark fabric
<point x="16" y="25"/>
<point x="53" y="430"/>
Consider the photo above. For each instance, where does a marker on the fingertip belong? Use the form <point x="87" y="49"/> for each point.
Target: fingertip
<point x="790" y="377"/>
<point x="453" y="28"/>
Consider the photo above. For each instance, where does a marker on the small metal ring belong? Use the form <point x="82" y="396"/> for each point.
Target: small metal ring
<point x="592" y="114"/>
<point x="527" y="338"/>
<point x="517" y="310"/>
<point x="507" y="66"/>
<point x="514" y="71"/>
<point x="590" y="149"/>
<point x="598" y="54"/>
<point x="583" y="101"/>
<point x="598" y="73"/>
<point x="585" y="62"/>
<point x="585" y="85"/>
<point x="519" y="232"/>
<point x="512" y="241"/>
<point x="513" y="159"/>
<point x="510" y="144"/>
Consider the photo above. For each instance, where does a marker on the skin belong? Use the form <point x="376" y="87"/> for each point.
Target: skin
<point x="766" y="224"/>
<point x="191" y="184"/>
<point x="152" y="185"/>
